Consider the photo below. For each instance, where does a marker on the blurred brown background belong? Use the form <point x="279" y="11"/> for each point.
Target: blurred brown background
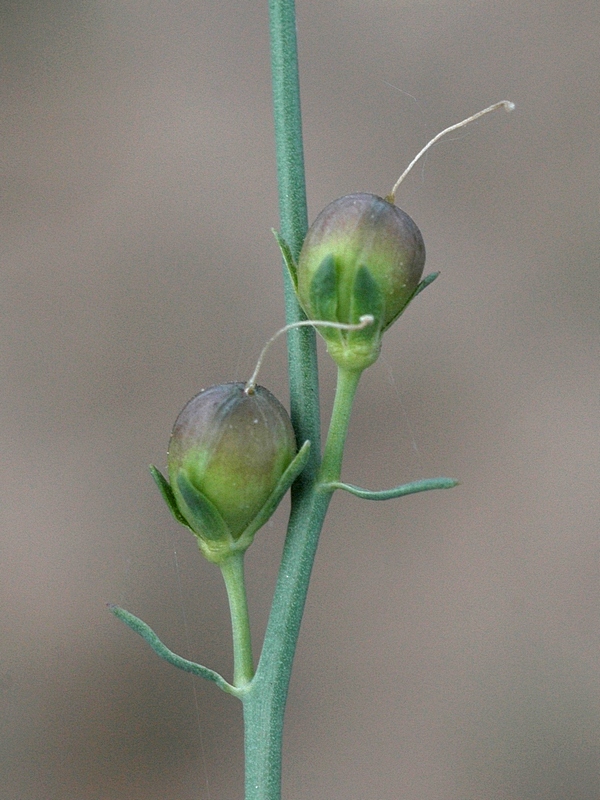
<point x="451" y="642"/>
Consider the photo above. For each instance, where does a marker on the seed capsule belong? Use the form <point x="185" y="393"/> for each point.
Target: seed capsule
<point x="228" y="451"/>
<point x="362" y="255"/>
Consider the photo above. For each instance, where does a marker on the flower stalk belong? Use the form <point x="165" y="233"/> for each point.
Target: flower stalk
<point x="232" y="570"/>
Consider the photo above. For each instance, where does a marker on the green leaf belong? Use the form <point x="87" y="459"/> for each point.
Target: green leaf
<point x="205" y="520"/>
<point x="288" y="258"/>
<point x="146" y="632"/>
<point x="398" y="491"/>
<point x="167" y="493"/>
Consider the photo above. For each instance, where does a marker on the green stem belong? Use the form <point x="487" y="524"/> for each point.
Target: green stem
<point x="264" y="702"/>
<point x="302" y="358"/>
<point x="288" y="123"/>
<point x="347" y="384"/>
<point x="265" y="698"/>
<point x="232" y="570"/>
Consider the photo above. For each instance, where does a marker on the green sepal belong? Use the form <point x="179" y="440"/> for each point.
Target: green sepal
<point x="323" y="293"/>
<point x="398" y="491"/>
<point x="204" y="519"/>
<point x="427" y="281"/>
<point x="167" y="494"/>
<point x="214" y="537"/>
<point x="367" y="298"/>
<point x="146" y="632"/>
<point x="288" y="258"/>
<point x="289" y="476"/>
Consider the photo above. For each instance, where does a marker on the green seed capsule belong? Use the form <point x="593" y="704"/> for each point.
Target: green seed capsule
<point x="362" y="255"/>
<point x="228" y="452"/>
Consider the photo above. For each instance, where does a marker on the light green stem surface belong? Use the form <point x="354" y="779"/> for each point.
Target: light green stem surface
<point x="264" y="702"/>
<point x="347" y="384"/>
<point x="232" y="570"/>
<point x="302" y="357"/>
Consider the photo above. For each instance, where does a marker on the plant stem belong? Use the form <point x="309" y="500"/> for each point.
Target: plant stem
<point x="265" y="698"/>
<point x="264" y="702"/>
<point x="347" y="384"/>
<point x="232" y="570"/>
<point x="302" y="359"/>
<point x="288" y="123"/>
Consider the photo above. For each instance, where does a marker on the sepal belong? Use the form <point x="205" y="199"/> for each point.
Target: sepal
<point x="288" y="258"/>
<point x="204" y="518"/>
<point x="323" y="294"/>
<point x="266" y="512"/>
<point x="427" y="281"/>
<point x="164" y="488"/>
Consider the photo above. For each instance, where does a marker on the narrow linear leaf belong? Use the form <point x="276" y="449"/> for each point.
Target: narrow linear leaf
<point x="398" y="491"/>
<point x="140" y="627"/>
